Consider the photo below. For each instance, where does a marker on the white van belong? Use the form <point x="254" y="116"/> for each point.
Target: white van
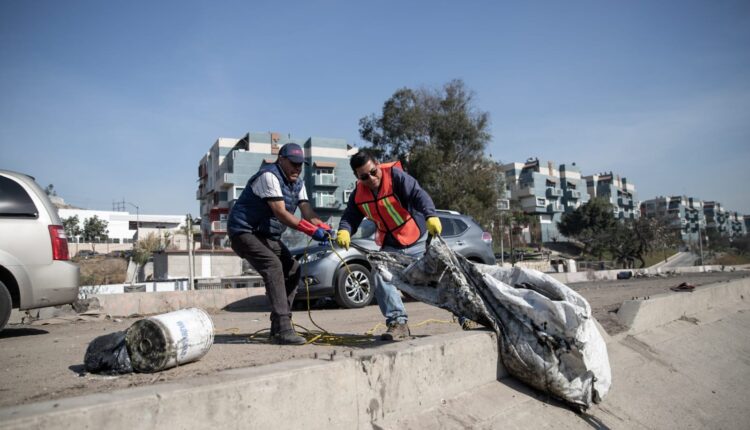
<point x="35" y="270"/>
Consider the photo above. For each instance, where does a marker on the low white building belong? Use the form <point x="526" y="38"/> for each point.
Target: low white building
<point x="124" y="227"/>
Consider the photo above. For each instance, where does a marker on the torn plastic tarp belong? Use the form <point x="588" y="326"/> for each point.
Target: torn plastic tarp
<point x="547" y="335"/>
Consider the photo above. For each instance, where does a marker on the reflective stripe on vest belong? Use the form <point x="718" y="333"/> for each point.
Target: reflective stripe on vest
<point x="386" y="211"/>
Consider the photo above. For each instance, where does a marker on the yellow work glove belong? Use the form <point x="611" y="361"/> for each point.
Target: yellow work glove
<point x="433" y="226"/>
<point x="343" y="239"/>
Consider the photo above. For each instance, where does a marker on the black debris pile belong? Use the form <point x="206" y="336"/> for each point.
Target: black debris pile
<point x="108" y="355"/>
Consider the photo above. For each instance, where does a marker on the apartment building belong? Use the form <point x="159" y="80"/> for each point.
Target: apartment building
<point x="617" y="191"/>
<point x="737" y="226"/>
<point x="716" y="217"/>
<point x="224" y="170"/>
<point x="545" y="191"/>
<point x="575" y="191"/>
<point x="685" y="214"/>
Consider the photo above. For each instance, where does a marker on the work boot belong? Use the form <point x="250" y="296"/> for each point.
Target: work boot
<point x="396" y="332"/>
<point x="288" y="337"/>
<point x="274" y="328"/>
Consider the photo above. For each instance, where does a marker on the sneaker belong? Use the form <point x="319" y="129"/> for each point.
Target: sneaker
<point x="288" y="337"/>
<point x="396" y="332"/>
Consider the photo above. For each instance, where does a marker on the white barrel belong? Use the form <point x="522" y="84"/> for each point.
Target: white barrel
<point x="168" y="340"/>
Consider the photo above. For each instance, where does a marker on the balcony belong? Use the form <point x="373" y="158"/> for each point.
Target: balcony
<point x="325" y="181"/>
<point x="218" y="227"/>
<point x="524" y="191"/>
<point x="325" y="202"/>
<point x="554" y="192"/>
<point x="555" y="207"/>
<point x="228" y="179"/>
<point x="573" y="194"/>
<point x="624" y="202"/>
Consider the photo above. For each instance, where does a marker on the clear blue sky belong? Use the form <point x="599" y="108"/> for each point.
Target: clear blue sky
<point x="112" y="100"/>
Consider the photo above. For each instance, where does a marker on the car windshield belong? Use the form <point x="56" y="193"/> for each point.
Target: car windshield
<point x="296" y="239"/>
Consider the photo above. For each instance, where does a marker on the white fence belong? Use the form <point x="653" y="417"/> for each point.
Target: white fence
<point x="150" y="286"/>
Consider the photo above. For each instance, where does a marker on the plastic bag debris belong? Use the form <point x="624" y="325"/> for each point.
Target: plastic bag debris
<point x="548" y="338"/>
<point x="108" y="355"/>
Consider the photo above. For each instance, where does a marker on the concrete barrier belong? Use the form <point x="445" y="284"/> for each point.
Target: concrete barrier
<point x="334" y="393"/>
<point x="123" y="305"/>
<point x="640" y="315"/>
<point x="611" y="275"/>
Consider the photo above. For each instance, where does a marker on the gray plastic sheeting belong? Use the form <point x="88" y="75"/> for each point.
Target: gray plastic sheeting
<point x="548" y="338"/>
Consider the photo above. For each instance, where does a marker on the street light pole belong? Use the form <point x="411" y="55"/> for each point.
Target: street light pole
<point x="137" y="220"/>
<point x="191" y="262"/>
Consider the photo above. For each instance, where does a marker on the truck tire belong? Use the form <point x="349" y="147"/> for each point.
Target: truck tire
<point x="354" y="290"/>
<point x="5" y="305"/>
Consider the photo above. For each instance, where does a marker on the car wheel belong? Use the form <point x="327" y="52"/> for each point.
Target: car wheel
<point x="5" y="305"/>
<point x="355" y="289"/>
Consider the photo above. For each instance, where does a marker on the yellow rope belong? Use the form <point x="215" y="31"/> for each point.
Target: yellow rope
<point x="323" y="336"/>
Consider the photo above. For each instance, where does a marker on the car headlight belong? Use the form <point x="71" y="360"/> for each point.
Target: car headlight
<point x="315" y="256"/>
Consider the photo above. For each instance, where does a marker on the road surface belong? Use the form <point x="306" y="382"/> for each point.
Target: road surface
<point x="44" y="362"/>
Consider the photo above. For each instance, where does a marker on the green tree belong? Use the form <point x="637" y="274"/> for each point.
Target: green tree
<point x="72" y="226"/>
<point x="95" y="229"/>
<point x="622" y="242"/>
<point x="592" y="224"/>
<point x="440" y="138"/>
<point x="144" y="249"/>
<point x="715" y="241"/>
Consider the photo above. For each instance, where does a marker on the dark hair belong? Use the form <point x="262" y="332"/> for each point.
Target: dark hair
<point x="361" y="158"/>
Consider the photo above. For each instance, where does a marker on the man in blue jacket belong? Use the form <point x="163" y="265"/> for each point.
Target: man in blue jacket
<point x="402" y="212"/>
<point x="264" y="210"/>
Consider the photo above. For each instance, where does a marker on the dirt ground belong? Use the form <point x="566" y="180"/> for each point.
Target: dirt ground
<point x="45" y="361"/>
<point x="102" y="270"/>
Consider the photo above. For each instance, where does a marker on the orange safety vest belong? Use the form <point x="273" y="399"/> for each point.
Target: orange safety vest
<point x="386" y="211"/>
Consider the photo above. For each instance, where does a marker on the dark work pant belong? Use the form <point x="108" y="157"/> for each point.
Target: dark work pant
<point x="280" y="272"/>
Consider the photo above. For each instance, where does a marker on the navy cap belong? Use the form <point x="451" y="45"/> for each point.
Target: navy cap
<point x="293" y="152"/>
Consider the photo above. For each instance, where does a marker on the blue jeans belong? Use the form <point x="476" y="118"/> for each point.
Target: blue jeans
<point x="388" y="296"/>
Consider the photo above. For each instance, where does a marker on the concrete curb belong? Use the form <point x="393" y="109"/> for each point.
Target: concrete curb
<point x="640" y="315"/>
<point x="123" y="305"/>
<point x="341" y="393"/>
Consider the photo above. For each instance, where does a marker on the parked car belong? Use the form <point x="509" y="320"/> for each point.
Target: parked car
<point x="35" y="270"/>
<point x="327" y="276"/>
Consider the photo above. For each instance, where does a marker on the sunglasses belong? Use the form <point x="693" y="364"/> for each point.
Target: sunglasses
<point x="366" y="176"/>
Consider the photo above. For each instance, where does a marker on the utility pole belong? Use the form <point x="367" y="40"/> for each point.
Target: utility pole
<point x="700" y="243"/>
<point x="502" y="205"/>
<point x="189" y="222"/>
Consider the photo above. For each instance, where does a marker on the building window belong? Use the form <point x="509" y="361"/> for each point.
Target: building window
<point x="325" y="199"/>
<point x="540" y="202"/>
<point x="325" y="176"/>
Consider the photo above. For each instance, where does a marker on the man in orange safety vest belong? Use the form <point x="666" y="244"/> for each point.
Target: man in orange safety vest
<point x="402" y="212"/>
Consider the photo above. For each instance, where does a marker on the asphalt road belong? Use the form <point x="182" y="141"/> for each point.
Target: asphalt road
<point x="681" y="259"/>
<point x="44" y="362"/>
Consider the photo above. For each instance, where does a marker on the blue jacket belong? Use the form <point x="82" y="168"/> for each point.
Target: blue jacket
<point x="252" y="214"/>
